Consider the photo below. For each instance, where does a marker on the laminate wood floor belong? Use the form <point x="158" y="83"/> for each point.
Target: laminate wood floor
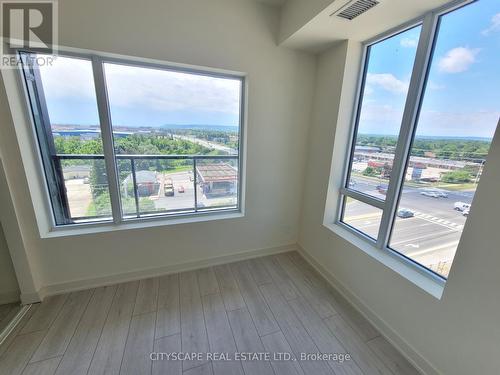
<point x="274" y="304"/>
<point x="7" y="312"/>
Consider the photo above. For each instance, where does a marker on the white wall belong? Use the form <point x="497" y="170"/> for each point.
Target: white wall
<point x="9" y="289"/>
<point x="228" y="34"/>
<point x="459" y="334"/>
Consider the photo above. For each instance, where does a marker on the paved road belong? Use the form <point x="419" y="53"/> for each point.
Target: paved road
<point x="431" y="237"/>
<point x="208" y="144"/>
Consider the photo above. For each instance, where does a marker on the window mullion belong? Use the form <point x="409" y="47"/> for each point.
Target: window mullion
<point x="401" y="156"/>
<point x="107" y="138"/>
<point x="363" y="198"/>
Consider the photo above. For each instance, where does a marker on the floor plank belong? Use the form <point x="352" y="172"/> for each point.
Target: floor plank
<point x="352" y="316"/>
<point x="315" y="292"/>
<point x="248" y="340"/>
<point x="262" y="317"/>
<point x="169" y="344"/>
<point x="228" y="288"/>
<point x="136" y="358"/>
<point x="220" y="336"/>
<point x="391" y="357"/>
<point x="109" y="352"/>
<point x="61" y="331"/>
<point x="10" y="314"/>
<point x="207" y="281"/>
<point x="326" y="342"/>
<point x="168" y="321"/>
<point x="147" y="296"/>
<point x="45" y="367"/>
<point x="193" y="332"/>
<point x="8" y="340"/>
<point x="276" y="343"/>
<point x="18" y="354"/>
<point x="292" y="329"/>
<point x="78" y="355"/>
<point x="205" y="369"/>
<point x="45" y="314"/>
<point x="362" y="326"/>
<point x="354" y="344"/>
<point x="259" y="271"/>
<point x="280" y="278"/>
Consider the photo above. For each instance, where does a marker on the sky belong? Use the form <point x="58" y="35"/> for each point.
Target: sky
<point x="461" y="99"/>
<point x="139" y="96"/>
<point x="462" y="96"/>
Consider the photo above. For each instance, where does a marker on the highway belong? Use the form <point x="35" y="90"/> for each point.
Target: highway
<point x="430" y="237"/>
<point x="208" y="144"/>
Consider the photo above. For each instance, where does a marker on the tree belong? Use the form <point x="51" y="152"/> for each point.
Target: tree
<point x="370" y="171"/>
<point x="456" y="177"/>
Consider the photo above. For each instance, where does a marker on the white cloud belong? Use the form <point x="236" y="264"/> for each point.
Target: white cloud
<point x="68" y="78"/>
<point x="386" y="81"/>
<point x="494" y="25"/>
<point x="458" y="60"/>
<point x="163" y="90"/>
<point x="409" y="42"/>
<point x="154" y="89"/>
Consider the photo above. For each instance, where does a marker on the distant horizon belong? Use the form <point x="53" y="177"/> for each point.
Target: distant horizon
<point x="151" y="126"/>
<point x="456" y="137"/>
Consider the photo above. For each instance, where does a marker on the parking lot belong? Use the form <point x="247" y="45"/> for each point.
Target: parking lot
<point x="185" y="200"/>
<point x="430" y="237"/>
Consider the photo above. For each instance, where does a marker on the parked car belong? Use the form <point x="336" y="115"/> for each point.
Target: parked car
<point x="86" y="180"/>
<point x="441" y="194"/>
<point x="461" y="206"/>
<point x="466" y="212"/>
<point x="405" y="213"/>
<point x="180" y="189"/>
<point x="431" y="194"/>
<point x="352" y="183"/>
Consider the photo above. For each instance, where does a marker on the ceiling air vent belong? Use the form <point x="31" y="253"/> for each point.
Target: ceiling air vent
<point x="354" y="8"/>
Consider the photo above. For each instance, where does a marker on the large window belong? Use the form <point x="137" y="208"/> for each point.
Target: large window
<point x="427" y="112"/>
<point x="121" y="141"/>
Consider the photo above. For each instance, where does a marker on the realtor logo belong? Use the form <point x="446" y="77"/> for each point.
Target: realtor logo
<point x="29" y="25"/>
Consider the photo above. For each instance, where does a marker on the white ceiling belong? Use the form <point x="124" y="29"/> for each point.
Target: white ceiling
<point x="322" y="30"/>
<point x="277" y="3"/>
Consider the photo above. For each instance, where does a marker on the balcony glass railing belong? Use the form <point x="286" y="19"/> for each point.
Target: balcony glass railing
<point x="149" y="185"/>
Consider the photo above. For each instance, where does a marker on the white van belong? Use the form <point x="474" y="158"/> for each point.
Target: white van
<point x="461" y="206"/>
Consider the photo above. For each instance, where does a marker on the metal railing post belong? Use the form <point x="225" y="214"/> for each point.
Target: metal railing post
<point x="134" y="181"/>
<point x="195" y="188"/>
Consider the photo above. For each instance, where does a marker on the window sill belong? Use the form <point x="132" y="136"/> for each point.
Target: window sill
<point x="147" y="222"/>
<point x="421" y="278"/>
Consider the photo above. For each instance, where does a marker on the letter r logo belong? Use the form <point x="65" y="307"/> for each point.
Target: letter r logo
<point x="29" y="24"/>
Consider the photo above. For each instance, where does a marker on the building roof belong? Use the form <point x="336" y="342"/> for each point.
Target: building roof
<point x="217" y="172"/>
<point x="142" y="177"/>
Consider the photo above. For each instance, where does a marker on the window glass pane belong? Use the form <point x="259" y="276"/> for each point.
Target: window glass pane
<point x="163" y="186"/>
<point x="73" y="137"/>
<point x="388" y="73"/>
<point x="217" y="181"/>
<point x="458" y="117"/>
<point x="362" y="217"/>
<point x="173" y="116"/>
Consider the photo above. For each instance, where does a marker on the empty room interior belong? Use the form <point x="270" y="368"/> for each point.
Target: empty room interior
<point x="250" y="187"/>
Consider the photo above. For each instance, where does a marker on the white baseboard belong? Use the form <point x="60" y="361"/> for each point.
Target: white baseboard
<point x="414" y="357"/>
<point x="83" y="284"/>
<point x="9" y="297"/>
<point x="29" y="298"/>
